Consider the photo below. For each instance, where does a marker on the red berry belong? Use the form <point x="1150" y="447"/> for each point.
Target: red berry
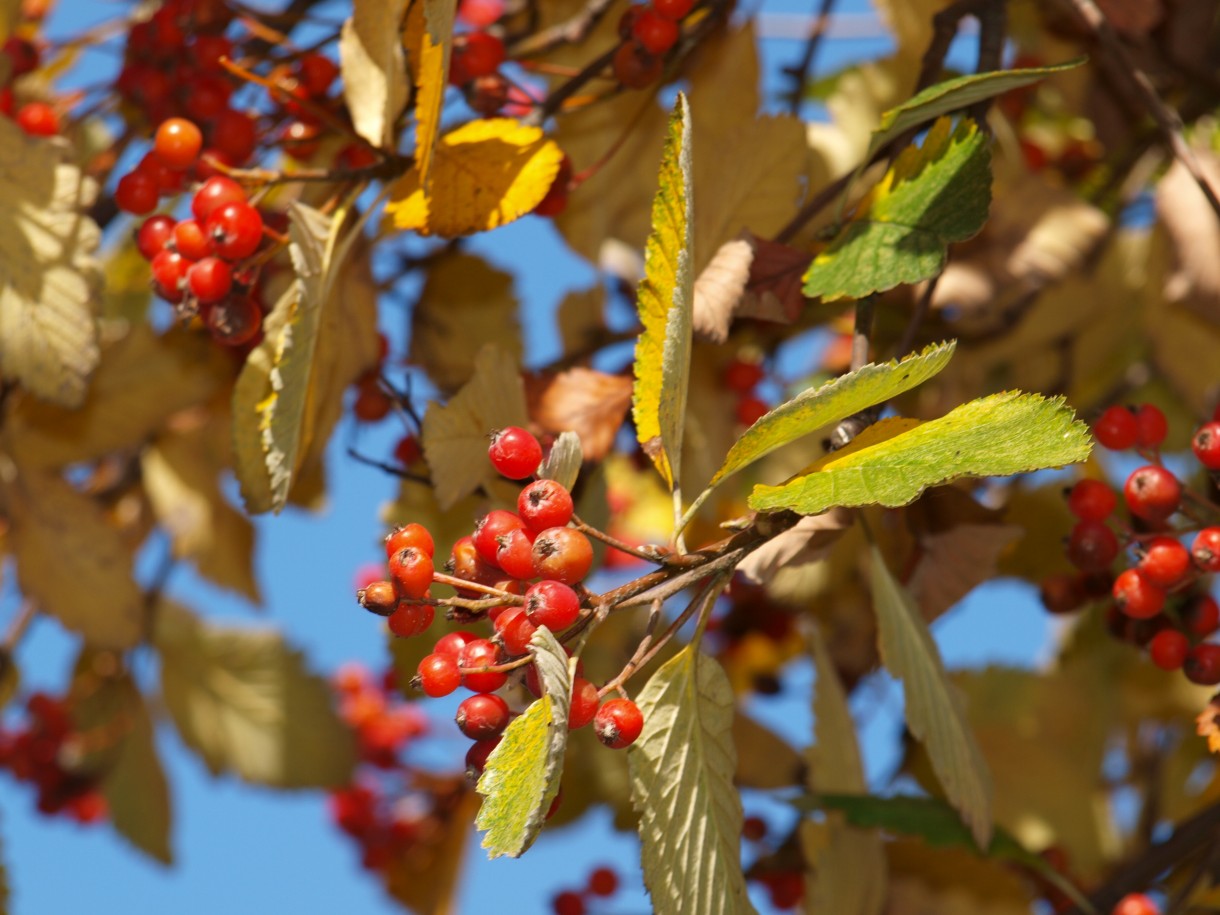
<point x="556" y="199"/>
<point x="491" y="527"/>
<point x="1062" y="592"/>
<point x="1165" y="562"/>
<point x="152" y="235"/>
<point x="543" y="504"/>
<point x="411" y="571"/>
<point x="1091" y="500"/>
<point x="1091" y="546"/>
<point x="562" y="554"/>
<point x="1152" y="493"/>
<point x="1136" y="596"/>
<point x="618" y="723"/>
<point x="213" y="194"/>
<point x="477" y="54"/>
<point x="38" y="119"/>
<point x="635" y="68"/>
<point x="751" y="409"/>
<point x="207" y="50"/>
<point x="476" y="654"/>
<point x="482" y="716"/>
<point x="488" y="94"/>
<point x="411" y="619"/>
<point x="169" y="274"/>
<point x="1151" y="426"/>
<point x="168" y="180"/>
<point x="378" y="597"/>
<point x="584" y="705"/>
<point x="568" y="903"/>
<point x="438" y="675"/>
<point x="1202" y="664"/>
<point x="412" y="534"/>
<point x="476" y="756"/>
<point x="234" y="134"/>
<point x="190" y="240"/>
<point x="480" y="13"/>
<point x="372" y="404"/>
<point x="786" y="889"/>
<point x="452" y="643"/>
<point x="1116" y="429"/>
<point x="23" y="56"/>
<point x="1136" y="904"/>
<point x="234" y="322"/>
<point x="235" y="229"/>
<point x="515" y="554"/>
<point x="1205" y="551"/>
<point x="672" y="9"/>
<point x="178" y="142"/>
<point x="317" y="73"/>
<point x="514" y="452"/>
<point x="655" y="34"/>
<point x="210" y="280"/>
<point x="1201" y="616"/>
<point x="1206" y="445"/>
<point x="552" y="604"/>
<point x="136" y="193"/>
<point x="514" y="630"/>
<point x="301" y="139"/>
<point x="466" y="563"/>
<point x="754" y="829"/>
<point x="1168" y="649"/>
<point x="742" y="377"/>
<point x="407" y="451"/>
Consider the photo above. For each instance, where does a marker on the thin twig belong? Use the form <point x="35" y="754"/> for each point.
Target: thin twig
<point x="570" y="31"/>
<point x="800" y="72"/>
<point x="917" y="318"/>
<point x="386" y="467"/>
<point x="554" y="101"/>
<point x="613" y="542"/>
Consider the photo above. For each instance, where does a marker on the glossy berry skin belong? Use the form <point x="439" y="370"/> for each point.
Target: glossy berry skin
<point x="1137" y="597"/>
<point x="1202" y="665"/>
<point x="1168" y="649"/>
<point x="584" y="704"/>
<point x="562" y="554"/>
<point x="235" y="230"/>
<point x="438" y="675"/>
<point x="1091" y="500"/>
<point x="1091" y="546"/>
<point x="515" y="554"/>
<point x="476" y="654"/>
<point x="210" y="279"/>
<point x="1136" y="904"/>
<point x="215" y="193"/>
<point x="406" y="535"/>
<point x="618" y="723"/>
<point x="452" y="643"/>
<point x="153" y="234"/>
<point x="177" y="143"/>
<point x="491" y="527"/>
<point x="1152" y="493"/>
<point x="543" y="504"/>
<point x="169" y="274"/>
<point x="1205" y="551"/>
<point x="514" y="630"/>
<point x="1206" y="445"/>
<point x="38" y="119"/>
<point x="552" y="604"/>
<point x="1201" y="616"/>
<point x="656" y="34"/>
<point x="411" y="619"/>
<point x="234" y="322"/>
<point x="514" y="452"/>
<point x="378" y="597"/>
<point x="1151" y="426"/>
<point x="1116" y="429"/>
<point x="190" y="240"/>
<point x="635" y="67"/>
<point x="411" y="571"/>
<point x="482" y="716"/>
<point x="672" y="9"/>
<point x="1165" y="563"/>
<point x="136" y="193"/>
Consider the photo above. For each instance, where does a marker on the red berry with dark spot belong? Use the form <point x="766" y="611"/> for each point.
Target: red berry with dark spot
<point x="1206" y="445"/>
<point x="477" y="654"/>
<point x="235" y="230"/>
<point x="1116" y="429"/>
<point x="1152" y="493"/>
<point x="1166" y="562"/>
<point x="552" y="604"/>
<point x="491" y="527"/>
<point x="234" y="322"/>
<point x="438" y="675"/>
<point x="482" y="716"/>
<point x="406" y="535"/>
<point x="1202" y="664"/>
<point x="618" y="723"/>
<point x="1205" y="550"/>
<point x="514" y="452"/>
<point x="562" y="554"/>
<point x="584" y="703"/>
<point x="1151" y="426"/>
<point x="1136" y="596"/>
<point x="1092" y="500"/>
<point x="514" y="630"/>
<point x="1091" y="546"/>
<point x="635" y="67"/>
<point x="543" y="504"/>
<point x="411" y="571"/>
<point x="1168" y="649"/>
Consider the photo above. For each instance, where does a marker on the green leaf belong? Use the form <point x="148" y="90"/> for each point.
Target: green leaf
<point x="990" y="437"/>
<point x="934" y="710"/>
<point x="563" y="463"/>
<point x="955" y="93"/>
<point x="665" y="300"/>
<point x="834" y="401"/>
<point x="932" y="196"/>
<point x="522" y="774"/>
<point x="682" y="788"/>
<point x="245" y="702"/>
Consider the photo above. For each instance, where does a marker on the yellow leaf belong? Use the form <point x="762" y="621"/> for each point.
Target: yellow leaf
<point x="48" y="338"/>
<point x="374" y="71"/>
<point x="485" y="174"/>
<point x="432" y="22"/>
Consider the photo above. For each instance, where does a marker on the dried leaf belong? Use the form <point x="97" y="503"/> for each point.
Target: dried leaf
<point x="1195" y="233"/>
<point x="719" y="288"/>
<point x="809" y="540"/>
<point x="562" y="463"/>
<point x="374" y="68"/>
<point x="590" y="403"/>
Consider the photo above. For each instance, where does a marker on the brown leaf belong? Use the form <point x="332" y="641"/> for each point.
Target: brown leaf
<point x="773" y="292"/>
<point x="424" y="875"/>
<point x="590" y="403"/>
<point x="719" y="288"/>
<point x="809" y="540"/>
<point x="1194" y="276"/>
<point x="764" y="759"/>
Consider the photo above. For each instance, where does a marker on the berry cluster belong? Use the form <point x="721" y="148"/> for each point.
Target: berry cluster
<point x="742" y="377"/>
<point x="602" y="884"/>
<point x="36" y="118"/>
<point x="1160" y="601"/>
<point x="38" y="753"/>
<point x="382" y="725"/>
<point x="648" y="31"/>
<point x="518" y="570"/>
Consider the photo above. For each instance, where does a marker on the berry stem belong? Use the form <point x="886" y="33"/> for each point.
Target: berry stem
<point x="598" y="534"/>
<point x="502" y="597"/>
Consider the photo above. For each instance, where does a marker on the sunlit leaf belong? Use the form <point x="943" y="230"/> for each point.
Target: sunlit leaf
<point x="834" y="401"/>
<point x="455" y="433"/>
<point x="665" y="299"/>
<point x="993" y="436"/>
<point x="374" y="68"/>
<point x="563" y="463"/>
<point x="933" y="195"/>
<point x="590" y="403"/>
<point x="521" y="777"/>
<point x="485" y="174"/>
<point x="934" y="710"/>
<point x="430" y="32"/>
<point x="682" y="787"/>
<point x="48" y="338"/>
<point x="244" y="701"/>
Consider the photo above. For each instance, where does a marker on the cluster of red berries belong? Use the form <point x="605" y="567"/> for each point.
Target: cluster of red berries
<point x="38" y="753"/>
<point x="383" y="726"/>
<point x="602" y="884"/>
<point x="1161" y="600"/>
<point x="750" y="634"/>
<point x="648" y="31"/>
<point x="742" y="377"/>
<point x="36" y="118"/>
<point x="531" y="564"/>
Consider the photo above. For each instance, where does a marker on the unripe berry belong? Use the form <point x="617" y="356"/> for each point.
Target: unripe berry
<point x="514" y="452"/>
<point x="1152" y="493"/>
<point x="618" y="723"/>
<point x="378" y="597"/>
<point x="1116" y="429"/>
